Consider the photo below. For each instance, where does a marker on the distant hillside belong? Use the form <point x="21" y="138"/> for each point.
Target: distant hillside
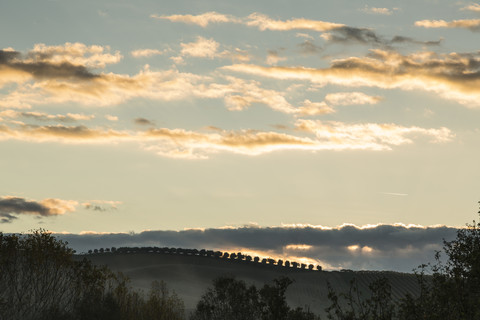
<point x="190" y="272"/>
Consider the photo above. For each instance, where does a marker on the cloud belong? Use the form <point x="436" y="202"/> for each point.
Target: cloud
<point x="332" y="32"/>
<point x="304" y="35"/>
<point x="375" y="247"/>
<point x="61" y="133"/>
<point x="369" y="136"/>
<point x="263" y="22"/>
<point x="69" y="61"/>
<point x="239" y="94"/>
<point x="101" y="205"/>
<point x="11" y="207"/>
<point x="365" y="36"/>
<point x="351" y="98"/>
<point x="408" y="40"/>
<point x="102" y="89"/>
<point x="350" y="34"/>
<point x="380" y="11"/>
<point x="77" y="54"/>
<point x="472" y="7"/>
<point x="202" y="20"/>
<point x="40" y="116"/>
<point x="453" y="76"/>
<point x="202" y="48"/>
<point x="141" y="53"/>
<point x="309" y="108"/>
<point x="309" y="47"/>
<point x="109" y="117"/>
<point x="143" y="122"/>
<point x="274" y="58"/>
<point x="181" y="143"/>
<point x="471" y="24"/>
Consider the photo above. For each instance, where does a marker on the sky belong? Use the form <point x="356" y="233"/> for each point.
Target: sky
<point x="124" y="117"/>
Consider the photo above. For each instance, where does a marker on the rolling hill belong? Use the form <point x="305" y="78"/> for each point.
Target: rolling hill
<point x="190" y="273"/>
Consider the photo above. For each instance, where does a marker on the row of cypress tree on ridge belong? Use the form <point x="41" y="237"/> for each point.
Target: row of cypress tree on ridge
<point x="234" y="257"/>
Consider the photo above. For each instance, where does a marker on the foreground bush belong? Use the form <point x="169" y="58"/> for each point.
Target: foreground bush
<point x="448" y="290"/>
<point x="39" y="279"/>
<point x="233" y="300"/>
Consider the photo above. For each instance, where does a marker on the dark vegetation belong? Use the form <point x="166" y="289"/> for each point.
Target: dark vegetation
<point x="238" y="257"/>
<point x="234" y="300"/>
<point x="41" y="279"/>
<point x="449" y="288"/>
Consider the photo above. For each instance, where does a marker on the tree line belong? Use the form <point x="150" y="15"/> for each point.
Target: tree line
<point x="235" y="257"/>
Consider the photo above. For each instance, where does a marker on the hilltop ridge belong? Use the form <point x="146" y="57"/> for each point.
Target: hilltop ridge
<point x="189" y="272"/>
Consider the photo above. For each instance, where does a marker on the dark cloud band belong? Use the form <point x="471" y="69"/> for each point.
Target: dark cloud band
<point x="384" y="247"/>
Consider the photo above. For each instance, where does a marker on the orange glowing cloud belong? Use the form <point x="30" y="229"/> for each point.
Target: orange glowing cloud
<point x="261" y="21"/>
<point x="453" y="76"/>
<point x="11" y="207"/>
<point x="472" y="24"/>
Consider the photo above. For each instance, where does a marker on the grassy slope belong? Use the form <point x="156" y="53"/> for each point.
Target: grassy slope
<point x="190" y="276"/>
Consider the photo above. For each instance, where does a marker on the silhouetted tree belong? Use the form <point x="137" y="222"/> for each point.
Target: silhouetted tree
<point x="40" y="280"/>
<point x="231" y="299"/>
<point x="228" y="299"/>
<point x="451" y="290"/>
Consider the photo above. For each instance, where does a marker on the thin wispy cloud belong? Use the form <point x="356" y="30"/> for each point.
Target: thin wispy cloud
<point x="140" y="53"/>
<point x="101" y="205"/>
<point x="475" y="7"/>
<point x="471" y="24"/>
<point x="261" y="21"/>
<point x="41" y="116"/>
<point x="202" y="20"/>
<point x="395" y="194"/>
<point x="351" y="98"/>
<point x="379" y="11"/>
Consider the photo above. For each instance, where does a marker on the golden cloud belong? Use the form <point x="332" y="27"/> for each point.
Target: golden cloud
<point x="77" y="54"/>
<point x="202" y="20"/>
<point x="197" y="144"/>
<point x="310" y="108"/>
<point x="146" y="53"/>
<point x="367" y="136"/>
<point x="374" y="10"/>
<point x="454" y="76"/>
<point x="261" y="21"/>
<point x="351" y="98"/>
<point x="472" y="24"/>
<point x="11" y="207"/>
<point x="472" y="7"/>
<point x="202" y="48"/>
<point x="46" y="117"/>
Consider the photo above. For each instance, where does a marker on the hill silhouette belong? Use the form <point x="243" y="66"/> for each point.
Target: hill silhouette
<point x="189" y="272"/>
